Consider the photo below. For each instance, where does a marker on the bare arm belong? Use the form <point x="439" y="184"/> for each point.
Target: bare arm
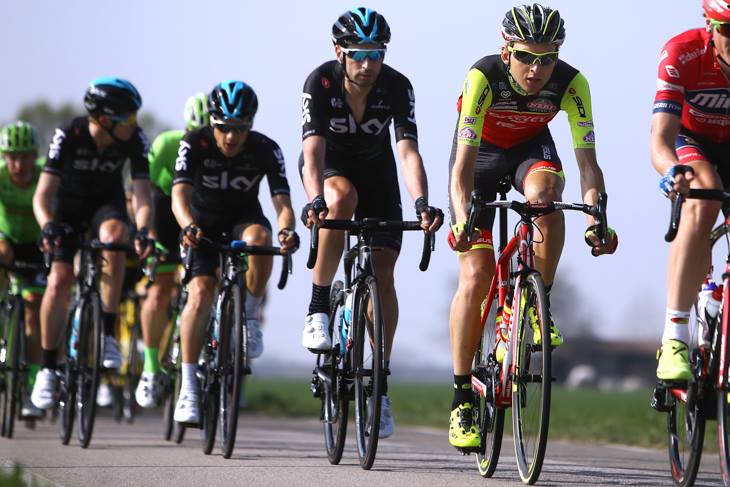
<point x="313" y="150"/>
<point x="284" y="211"/>
<point x="414" y="174"/>
<point x="182" y="194"/>
<point x="664" y="130"/>
<point x="43" y="198"/>
<point x="591" y="177"/>
<point x="462" y="181"/>
<point x="142" y="203"/>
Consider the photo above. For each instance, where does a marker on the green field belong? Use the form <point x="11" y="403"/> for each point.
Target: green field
<point x="579" y="415"/>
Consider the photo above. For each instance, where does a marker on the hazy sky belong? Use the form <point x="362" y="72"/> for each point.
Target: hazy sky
<point x="172" y="49"/>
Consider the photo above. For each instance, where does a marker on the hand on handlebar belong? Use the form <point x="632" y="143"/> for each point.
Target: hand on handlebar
<point x="458" y="240"/>
<point x="431" y="218"/>
<point x="597" y="247"/>
<point x="315" y="212"/>
<point x="143" y="243"/>
<point x="288" y="240"/>
<point x="52" y="234"/>
<point x="191" y="236"/>
<point x="676" y="180"/>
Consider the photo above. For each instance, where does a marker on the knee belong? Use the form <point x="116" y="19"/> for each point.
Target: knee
<point x="474" y="280"/>
<point x="257" y="235"/>
<point x="59" y="280"/>
<point x="702" y="213"/>
<point x="157" y="298"/>
<point x="341" y="201"/>
<point x="113" y="231"/>
<point x="200" y="295"/>
<point x="384" y="275"/>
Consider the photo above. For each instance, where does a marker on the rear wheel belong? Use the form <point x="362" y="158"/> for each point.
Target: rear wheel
<point x="532" y="378"/>
<point x="335" y="403"/>
<point x="13" y="374"/>
<point x="490" y="417"/>
<point x="134" y="372"/>
<point x="67" y="396"/>
<point x="368" y="370"/>
<point x="89" y="366"/>
<point x="233" y="361"/>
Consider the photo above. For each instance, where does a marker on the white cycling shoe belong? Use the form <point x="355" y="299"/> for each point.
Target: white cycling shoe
<point x="44" y="389"/>
<point x="150" y="389"/>
<point x="315" y="335"/>
<point x="187" y="409"/>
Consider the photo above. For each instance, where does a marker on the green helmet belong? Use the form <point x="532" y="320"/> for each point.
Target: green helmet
<point x="196" y="111"/>
<point x="18" y="137"/>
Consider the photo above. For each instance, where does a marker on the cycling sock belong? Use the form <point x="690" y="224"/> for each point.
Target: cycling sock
<point x="151" y="362"/>
<point x="189" y="377"/>
<point x="676" y="326"/>
<point x="253" y="306"/>
<point x="110" y="321"/>
<point x="32" y="371"/>
<point x="320" y="299"/>
<point x="49" y="359"/>
<point x="462" y="390"/>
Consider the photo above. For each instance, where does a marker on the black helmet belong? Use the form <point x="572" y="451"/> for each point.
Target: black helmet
<point x="360" y="26"/>
<point x="114" y="97"/>
<point x="232" y="101"/>
<point x="533" y="24"/>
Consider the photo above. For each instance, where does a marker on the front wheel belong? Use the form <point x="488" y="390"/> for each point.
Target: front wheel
<point x="209" y="404"/>
<point x="89" y="366"/>
<point x="532" y="377"/>
<point x="335" y="403"/>
<point x="13" y="375"/>
<point x="232" y="360"/>
<point x="368" y="371"/>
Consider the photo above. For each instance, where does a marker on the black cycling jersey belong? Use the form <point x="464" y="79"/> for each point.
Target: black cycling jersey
<point x="84" y="172"/>
<point x="229" y="185"/>
<point x="325" y="112"/>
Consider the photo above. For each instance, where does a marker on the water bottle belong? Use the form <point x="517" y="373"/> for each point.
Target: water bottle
<point x="709" y="300"/>
<point x="217" y="318"/>
<point x="75" y="325"/>
<point x="345" y="321"/>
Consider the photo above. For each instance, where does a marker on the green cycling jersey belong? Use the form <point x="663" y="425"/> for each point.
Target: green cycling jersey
<point x="17" y="221"/>
<point x="162" y="159"/>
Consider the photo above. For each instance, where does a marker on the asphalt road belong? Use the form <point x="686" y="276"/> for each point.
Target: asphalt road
<point x="275" y="451"/>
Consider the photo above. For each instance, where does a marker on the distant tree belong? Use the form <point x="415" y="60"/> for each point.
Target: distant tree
<point x="46" y="118"/>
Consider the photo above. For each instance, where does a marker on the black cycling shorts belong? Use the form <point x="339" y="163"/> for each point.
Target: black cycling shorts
<point x="378" y="194"/>
<point x="28" y="253"/>
<point x="494" y="163"/>
<point x="168" y="231"/>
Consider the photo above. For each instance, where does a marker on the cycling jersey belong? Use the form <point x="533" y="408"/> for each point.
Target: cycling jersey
<point x="84" y="172"/>
<point x="225" y="185"/>
<point x="692" y="86"/>
<point x="17" y="221"/>
<point x="162" y="159"/>
<point x="325" y="112"/>
<point x="493" y="108"/>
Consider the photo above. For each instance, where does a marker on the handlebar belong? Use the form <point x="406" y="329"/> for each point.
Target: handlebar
<point x="150" y="270"/>
<point x="368" y="225"/>
<point x="695" y="194"/>
<point x="529" y="210"/>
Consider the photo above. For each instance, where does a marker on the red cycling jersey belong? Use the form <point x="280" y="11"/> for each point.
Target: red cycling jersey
<point x="692" y="86"/>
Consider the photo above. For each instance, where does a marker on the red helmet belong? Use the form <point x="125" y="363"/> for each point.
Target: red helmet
<point x="717" y="10"/>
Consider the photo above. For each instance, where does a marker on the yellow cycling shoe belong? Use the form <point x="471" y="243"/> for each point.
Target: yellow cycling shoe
<point x="501" y="351"/>
<point x="463" y="430"/>
<point x="556" y="338"/>
<point x="673" y="362"/>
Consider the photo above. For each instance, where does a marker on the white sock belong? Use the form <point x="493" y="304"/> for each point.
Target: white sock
<point x="189" y="377"/>
<point x="253" y="306"/>
<point x="676" y="326"/>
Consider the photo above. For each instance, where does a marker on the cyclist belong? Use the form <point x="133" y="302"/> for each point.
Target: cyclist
<point x="215" y="192"/>
<point x="155" y="308"/>
<point x="347" y="164"/>
<point x="690" y="146"/>
<point x="82" y="187"/>
<point x="505" y="106"/>
<point x="19" y="234"/>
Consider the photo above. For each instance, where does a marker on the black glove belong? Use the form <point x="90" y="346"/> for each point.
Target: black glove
<point x="52" y="230"/>
<point x="422" y="205"/>
<point x="286" y="232"/>
<point x="318" y="205"/>
<point x="142" y="237"/>
<point x="190" y="229"/>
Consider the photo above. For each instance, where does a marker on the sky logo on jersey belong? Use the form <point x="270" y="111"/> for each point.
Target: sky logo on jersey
<point x="54" y="151"/>
<point x="467" y="133"/>
<point x="306" y="114"/>
<point x="181" y="163"/>
<point x="239" y="183"/>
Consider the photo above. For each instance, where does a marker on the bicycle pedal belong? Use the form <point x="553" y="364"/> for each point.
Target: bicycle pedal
<point x="658" y="400"/>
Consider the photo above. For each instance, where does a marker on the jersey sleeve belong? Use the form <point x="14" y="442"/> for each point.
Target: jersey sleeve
<point x="139" y="151"/>
<point x="476" y="97"/>
<point x="57" y="151"/>
<point x="314" y="99"/>
<point x="404" y="110"/>
<point x="576" y="103"/>
<point x="184" y="168"/>
<point x="276" y="169"/>
<point x="670" y="83"/>
<point x="156" y="163"/>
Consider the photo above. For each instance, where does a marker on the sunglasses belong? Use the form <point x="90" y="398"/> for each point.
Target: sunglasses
<point x="238" y="129"/>
<point x="722" y="28"/>
<point x="528" y="57"/>
<point x="360" y="55"/>
<point x="130" y="119"/>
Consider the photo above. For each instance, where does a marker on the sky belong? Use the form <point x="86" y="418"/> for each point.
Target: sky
<point x="173" y="49"/>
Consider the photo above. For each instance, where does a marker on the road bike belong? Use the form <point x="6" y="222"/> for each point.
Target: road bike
<point x="354" y="368"/>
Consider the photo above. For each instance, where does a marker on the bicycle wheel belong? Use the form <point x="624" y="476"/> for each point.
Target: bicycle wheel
<point x="532" y="378"/>
<point x="4" y="365"/>
<point x="686" y="435"/>
<point x="13" y="374"/>
<point x="368" y="370"/>
<point x="489" y="417"/>
<point x="209" y="404"/>
<point x="232" y="360"/>
<point x="172" y="369"/>
<point x="134" y="372"/>
<point x="335" y="403"/>
<point x="89" y="365"/>
<point x="67" y="396"/>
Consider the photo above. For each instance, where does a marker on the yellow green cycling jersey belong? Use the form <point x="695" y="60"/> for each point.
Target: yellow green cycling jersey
<point x="493" y="108"/>
<point x="17" y="221"/>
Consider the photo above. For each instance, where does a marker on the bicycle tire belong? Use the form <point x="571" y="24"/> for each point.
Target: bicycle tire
<point x="233" y="360"/>
<point x="335" y="403"/>
<point x="532" y="379"/>
<point x="14" y="375"/>
<point x="134" y="372"/>
<point x="722" y="394"/>
<point x="89" y="366"/>
<point x="490" y="417"/>
<point x="209" y="406"/>
<point x="172" y="369"/>
<point x="67" y="396"/>
<point x="4" y="365"/>
<point x="368" y="382"/>
<point x="686" y="435"/>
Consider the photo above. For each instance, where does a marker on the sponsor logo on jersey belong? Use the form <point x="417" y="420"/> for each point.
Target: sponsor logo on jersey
<point x="579" y="105"/>
<point x="483" y="96"/>
<point x="467" y="86"/>
<point x="325" y="82"/>
<point x="412" y="105"/>
<point x="467" y="133"/>
<point x="337" y="102"/>
<point x="380" y="105"/>
<point x="306" y="114"/>
<point x="585" y="124"/>
<point x="715" y="101"/>
<point x="505" y="93"/>
<point x="572" y="91"/>
<point x="181" y="163"/>
<point x="224" y="181"/>
<point x="522" y="118"/>
<point x="96" y="164"/>
<point x="341" y="125"/>
<point x="686" y="57"/>
<point x="542" y="105"/>
<point x="546" y="153"/>
<point x="662" y="85"/>
<point x="54" y="151"/>
<point x="547" y="93"/>
<point x="590" y="138"/>
<point x="211" y="164"/>
<point x="664" y="55"/>
<point x="470" y="120"/>
<point x="280" y="159"/>
<point x="671" y="71"/>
